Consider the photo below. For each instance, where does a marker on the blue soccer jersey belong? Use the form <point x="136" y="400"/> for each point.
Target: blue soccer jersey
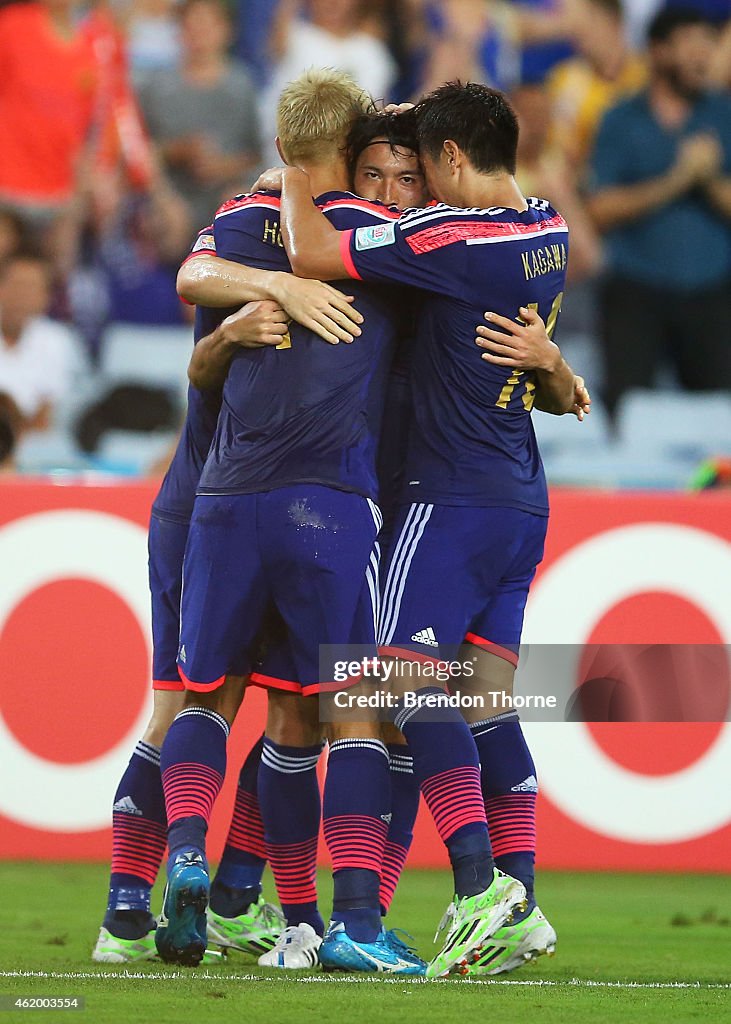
<point x="471" y="440"/>
<point x="304" y="411"/>
<point x="177" y="491"/>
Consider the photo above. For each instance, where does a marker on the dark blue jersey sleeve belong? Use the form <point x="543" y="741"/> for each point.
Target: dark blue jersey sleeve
<point x="424" y="248"/>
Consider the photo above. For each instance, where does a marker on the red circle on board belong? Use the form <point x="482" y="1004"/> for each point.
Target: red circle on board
<point x="661" y="658"/>
<point x="72" y="690"/>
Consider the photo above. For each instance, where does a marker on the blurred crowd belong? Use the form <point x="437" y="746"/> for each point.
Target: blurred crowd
<point x="125" y="123"/>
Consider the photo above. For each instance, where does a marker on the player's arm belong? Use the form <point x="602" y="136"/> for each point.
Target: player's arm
<point x="208" y="280"/>
<point x="257" y="324"/>
<point x="312" y="243"/>
<point x="526" y="346"/>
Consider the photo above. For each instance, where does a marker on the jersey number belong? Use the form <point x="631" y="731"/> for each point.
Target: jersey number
<point x="513" y="380"/>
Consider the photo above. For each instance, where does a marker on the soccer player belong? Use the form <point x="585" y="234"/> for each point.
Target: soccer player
<point x="476" y="496"/>
<point x="139" y="820"/>
<point x="384" y="166"/>
<point x="284" y="516"/>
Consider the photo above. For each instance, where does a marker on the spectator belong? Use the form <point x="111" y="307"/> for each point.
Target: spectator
<point x="153" y="38"/>
<point x="603" y="71"/>
<point x="203" y="113"/>
<point x="131" y="249"/>
<point x="328" y="33"/>
<point x="502" y="43"/>
<point x="544" y="171"/>
<point x="38" y="357"/>
<point x="47" y="101"/>
<point x="661" y="175"/>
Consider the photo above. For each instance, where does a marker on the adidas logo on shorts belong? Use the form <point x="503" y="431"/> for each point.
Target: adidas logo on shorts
<point x="426" y="636"/>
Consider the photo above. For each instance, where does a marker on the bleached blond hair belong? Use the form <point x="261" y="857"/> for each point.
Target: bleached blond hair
<point x="315" y="113"/>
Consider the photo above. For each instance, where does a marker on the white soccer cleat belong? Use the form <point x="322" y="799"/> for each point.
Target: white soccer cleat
<point x="296" y="949"/>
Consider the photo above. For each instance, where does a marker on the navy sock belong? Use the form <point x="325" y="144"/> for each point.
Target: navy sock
<point x="404" y="807"/>
<point x="447" y="767"/>
<point x="509" y="787"/>
<point x="139" y="837"/>
<point x="193" y="763"/>
<point x="289" y="797"/>
<point x="355" y="817"/>
<point x="238" y="880"/>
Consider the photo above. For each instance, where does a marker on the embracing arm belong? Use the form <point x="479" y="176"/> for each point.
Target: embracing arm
<point x="312" y="243"/>
<point x="527" y="346"/>
<point x="257" y="324"/>
<point x="208" y="280"/>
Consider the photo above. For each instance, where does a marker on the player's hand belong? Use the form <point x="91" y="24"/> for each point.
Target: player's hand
<point x="269" y="181"/>
<point x="525" y="346"/>
<point x="582" y="398"/>
<point x="319" y="307"/>
<point x="397" y="108"/>
<point x="256" y="325"/>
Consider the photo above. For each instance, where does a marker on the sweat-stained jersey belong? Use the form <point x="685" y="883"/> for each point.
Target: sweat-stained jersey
<point x="471" y="440"/>
<point x="305" y="411"/>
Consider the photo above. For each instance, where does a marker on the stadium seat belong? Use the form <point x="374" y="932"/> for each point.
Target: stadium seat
<point x="619" y="466"/>
<point x="131" y="452"/>
<point x="157" y="356"/>
<point x="43" y="451"/>
<point x="676" y="425"/>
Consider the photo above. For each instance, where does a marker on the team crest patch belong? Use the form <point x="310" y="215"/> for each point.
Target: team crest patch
<point x="374" y="236"/>
<point x="204" y="242"/>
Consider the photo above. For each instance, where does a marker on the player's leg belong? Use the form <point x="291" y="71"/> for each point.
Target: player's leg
<point x="405" y="795"/>
<point x="223" y="600"/>
<point x="433" y="587"/>
<point x="289" y="794"/>
<point x="327" y="561"/>
<point x="238" y="915"/>
<point x="139" y="823"/>
<point x="508" y="772"/>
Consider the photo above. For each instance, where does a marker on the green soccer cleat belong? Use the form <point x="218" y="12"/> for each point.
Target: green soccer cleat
<point x="256" y="931"/>
<point x="111" y="950"/>
<point x="472" y="920"/>
<point x="514" y="945"/>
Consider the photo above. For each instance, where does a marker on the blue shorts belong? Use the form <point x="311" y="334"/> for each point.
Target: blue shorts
<point x="458" y="573"/>
<point x="307" y="550"/>
<point x="277" y="669"/>
<point x="166" y="548"/>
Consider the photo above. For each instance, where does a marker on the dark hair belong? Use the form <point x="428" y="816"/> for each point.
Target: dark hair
<point x="667" y="21"/>
<point x="399" y="130"/>
<point x="479" y="119"/>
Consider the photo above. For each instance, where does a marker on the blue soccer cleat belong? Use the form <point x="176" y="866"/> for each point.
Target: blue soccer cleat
<point x="181" y="932"/>
<point x="387" y="955"/>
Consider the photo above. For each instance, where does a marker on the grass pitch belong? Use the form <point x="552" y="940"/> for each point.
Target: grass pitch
<point x="650" y="949"/>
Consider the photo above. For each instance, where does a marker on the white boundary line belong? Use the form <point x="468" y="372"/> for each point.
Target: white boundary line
<point x="350" y="979"/>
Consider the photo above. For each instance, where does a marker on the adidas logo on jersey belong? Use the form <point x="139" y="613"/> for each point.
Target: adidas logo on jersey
<point x="127" y="806"/>
<point x="529" y="785"/>
<point x="425" y="636"/>
<point x="386" y="818"/>
<point x="181" y="654"/>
